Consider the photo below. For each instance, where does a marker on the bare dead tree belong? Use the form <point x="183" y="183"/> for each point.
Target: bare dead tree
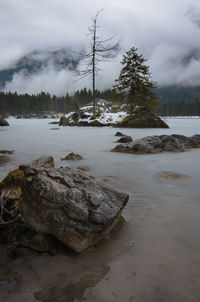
<point x="99" y="51"/>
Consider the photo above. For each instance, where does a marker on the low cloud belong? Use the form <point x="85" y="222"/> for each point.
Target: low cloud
<point x="175" y="65"/>
<point x="166" y="33"/>
<point x="60" y="82"/>
<point x="51" y="81"/>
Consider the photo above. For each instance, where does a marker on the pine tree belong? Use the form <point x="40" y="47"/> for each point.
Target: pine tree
<point x="134" y="82"/>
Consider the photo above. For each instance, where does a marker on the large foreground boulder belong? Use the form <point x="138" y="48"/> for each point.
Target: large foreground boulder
<point x="67" y="203"/>
<point x="156" y="144"/>
<point x="142" y="118"/>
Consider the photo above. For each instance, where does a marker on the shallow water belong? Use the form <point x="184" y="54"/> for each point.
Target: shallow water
<point x="154" y="255"/>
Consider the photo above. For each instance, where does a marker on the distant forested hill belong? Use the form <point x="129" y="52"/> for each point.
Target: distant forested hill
<point x="178" y="93"/>
<point x="177" y="100"/>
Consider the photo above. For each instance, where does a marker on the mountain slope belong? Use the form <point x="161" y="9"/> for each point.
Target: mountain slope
<point x="38" y="61"/>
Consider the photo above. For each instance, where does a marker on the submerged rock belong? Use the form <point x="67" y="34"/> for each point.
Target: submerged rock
<point x="142" y="118"/>
<point x="156" y="144"/>
<point x="54" y="123"/>
<point x="171" y="176"/>
<point x="84" y="168"/>
<point x="4" y="159"/>
<point x="67" y="203"/>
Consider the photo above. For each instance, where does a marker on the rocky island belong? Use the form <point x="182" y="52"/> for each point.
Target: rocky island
<point x="108" y="114"/>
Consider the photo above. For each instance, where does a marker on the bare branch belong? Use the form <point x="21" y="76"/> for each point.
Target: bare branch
<point x="99" y="50"/>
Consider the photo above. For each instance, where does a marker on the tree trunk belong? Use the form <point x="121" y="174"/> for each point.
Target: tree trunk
<point x="93" y="67"/>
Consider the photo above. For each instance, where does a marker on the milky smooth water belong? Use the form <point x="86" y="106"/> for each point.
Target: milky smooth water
<point x="155" y="256"/>
<point x="33" y="138"/>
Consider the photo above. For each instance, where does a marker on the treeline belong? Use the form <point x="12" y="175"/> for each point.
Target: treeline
<point x="178" y="101"/>
<point x="179" y="108"/>
<point x="172" y="101"/>
<point x="14" y="104"/>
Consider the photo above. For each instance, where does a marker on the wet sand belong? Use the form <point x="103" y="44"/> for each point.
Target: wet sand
<point x="152" y="255"/>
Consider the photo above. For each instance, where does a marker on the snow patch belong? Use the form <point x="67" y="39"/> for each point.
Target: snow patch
<point x="104" y="113"/>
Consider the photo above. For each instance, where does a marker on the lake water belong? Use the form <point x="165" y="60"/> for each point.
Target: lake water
<point x="155" y="255"/>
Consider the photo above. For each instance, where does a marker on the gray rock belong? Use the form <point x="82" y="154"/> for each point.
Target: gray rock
<point x="67" y="203"/>
<point x="156" y="144"/>
<point x="166" y="176"/>
<point x="190" y="142"/>
<point x="125" y="139"/>
<point x="3" y="122"/>
<point x="4" y="159"/>
<point x="44" y="161"/>
<point x="172" y="143"/>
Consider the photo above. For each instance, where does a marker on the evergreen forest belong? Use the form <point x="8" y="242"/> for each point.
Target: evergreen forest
<point x="172" y="101"/>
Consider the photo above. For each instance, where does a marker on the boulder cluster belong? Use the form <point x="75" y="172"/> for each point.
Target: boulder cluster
<point x="162" y="143"/>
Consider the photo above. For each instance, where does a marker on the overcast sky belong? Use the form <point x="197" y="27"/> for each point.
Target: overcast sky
<point x="167" y="33"/>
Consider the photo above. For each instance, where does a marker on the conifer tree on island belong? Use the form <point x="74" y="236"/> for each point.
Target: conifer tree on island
<point x="134" y="83"/>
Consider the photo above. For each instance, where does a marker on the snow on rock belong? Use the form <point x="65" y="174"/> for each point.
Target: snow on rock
<point x="104" y="115"/>
<point x="109" y="114"/>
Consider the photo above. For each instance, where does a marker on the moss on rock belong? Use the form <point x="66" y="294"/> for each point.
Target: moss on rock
<point x="142" y="118"/>
<point x="96" y="123"/>
<point x="13" y="179"/>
